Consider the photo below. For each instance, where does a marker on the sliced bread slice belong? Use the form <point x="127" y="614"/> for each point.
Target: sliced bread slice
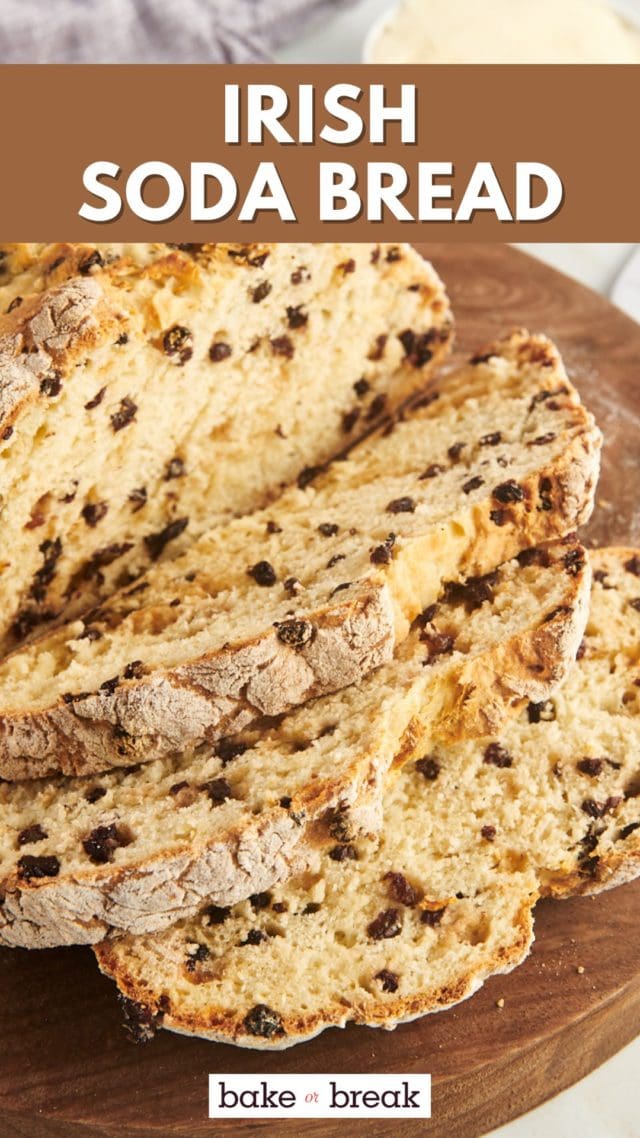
<point x="473" y="834"/>
<point x="148" y="392"/>
<point x="136" y="850"/>
<point x="308" y="596"/>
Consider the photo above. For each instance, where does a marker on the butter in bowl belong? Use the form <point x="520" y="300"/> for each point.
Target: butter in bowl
<point x="507" y="31"/>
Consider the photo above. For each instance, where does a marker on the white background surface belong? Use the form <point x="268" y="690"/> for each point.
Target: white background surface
<point x="607" y="1103"/>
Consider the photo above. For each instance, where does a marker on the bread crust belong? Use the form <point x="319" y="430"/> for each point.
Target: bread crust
<point x="45" y="337"/>
<point x="612" y="871"/>
<point x="72" y="308"/>
<point x="228" y="1027"/>
<point x="207" y="699"/>
<point x="477" y="696"/>
<point x="218" y="693"/>
<point x="569" y="871"/>
<point x="89" y="334"/>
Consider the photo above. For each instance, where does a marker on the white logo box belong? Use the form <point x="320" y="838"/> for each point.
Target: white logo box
<point x="319" y="1096"/>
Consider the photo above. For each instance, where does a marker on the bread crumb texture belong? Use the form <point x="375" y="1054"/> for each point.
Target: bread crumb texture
<point x="310" y="594"/>
<point x="148" y="392"/>
<point x="473" y="834"/>
<point x="136" y="849"/>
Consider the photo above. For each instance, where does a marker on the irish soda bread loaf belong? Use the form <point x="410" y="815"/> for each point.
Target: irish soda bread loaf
<point x="135" y="850"/>
<point x="146" y="392"/>
<point x="473" y="833"/>
<point x="309" y="595"/>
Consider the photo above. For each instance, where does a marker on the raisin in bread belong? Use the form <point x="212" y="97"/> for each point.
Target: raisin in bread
<point x="306" y="597"/>
<point x="473" y="833"/>
<point x="148" y="392"/>
<point x="135" y="850"/>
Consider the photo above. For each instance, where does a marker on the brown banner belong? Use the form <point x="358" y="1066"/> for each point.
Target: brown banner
<point x="579" y="122"/>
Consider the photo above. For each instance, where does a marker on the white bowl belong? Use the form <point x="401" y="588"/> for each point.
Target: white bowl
<point x="629" y="10"/>
<point x="375" y="32"/>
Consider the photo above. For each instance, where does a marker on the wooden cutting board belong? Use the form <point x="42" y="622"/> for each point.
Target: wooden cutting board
<point x="66" y="1069"/>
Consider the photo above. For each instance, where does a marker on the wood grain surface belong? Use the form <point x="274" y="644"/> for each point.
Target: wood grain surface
<point x="66" y="1068"/>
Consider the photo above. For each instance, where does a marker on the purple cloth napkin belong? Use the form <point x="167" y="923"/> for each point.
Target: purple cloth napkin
<point x="152" y="31"/>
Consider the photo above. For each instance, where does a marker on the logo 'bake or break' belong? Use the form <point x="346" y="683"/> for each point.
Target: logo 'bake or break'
<point x="320" y="1096"/>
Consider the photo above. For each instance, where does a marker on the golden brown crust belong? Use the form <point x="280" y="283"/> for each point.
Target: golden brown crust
<point x="84" y="337"/>
<point x="208" y="697"/>
<point x="472" y="696"/>
<point x="558" y="856"/>
<point x="610" y="870"/>
<point x="45" y="337"/>
<point x="227" y="1026"/>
